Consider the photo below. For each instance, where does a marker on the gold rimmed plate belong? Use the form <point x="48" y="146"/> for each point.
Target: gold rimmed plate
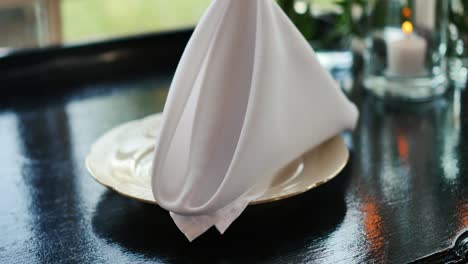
<point x="121" y="160"/>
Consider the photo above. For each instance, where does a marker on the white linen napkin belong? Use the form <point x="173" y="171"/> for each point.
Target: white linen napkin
<point x="249" y="96"/>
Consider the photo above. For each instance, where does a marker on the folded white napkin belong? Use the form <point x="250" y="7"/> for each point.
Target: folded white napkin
<point x="249" y="96"/>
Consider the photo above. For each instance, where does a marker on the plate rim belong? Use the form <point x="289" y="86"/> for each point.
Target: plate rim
<point x="333" y="175"/>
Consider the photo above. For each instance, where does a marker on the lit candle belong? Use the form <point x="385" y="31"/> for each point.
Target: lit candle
<point x="406" y="56"/>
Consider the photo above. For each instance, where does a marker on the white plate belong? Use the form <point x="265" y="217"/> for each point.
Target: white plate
<point x="122" y="158"/>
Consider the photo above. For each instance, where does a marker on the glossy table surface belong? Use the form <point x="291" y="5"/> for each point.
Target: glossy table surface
<point x="403" y="195"/>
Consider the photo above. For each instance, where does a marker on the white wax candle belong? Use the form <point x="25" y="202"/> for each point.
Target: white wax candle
<point x="407" y="56"/>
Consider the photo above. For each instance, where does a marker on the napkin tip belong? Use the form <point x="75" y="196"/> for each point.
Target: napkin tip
<point x="192" y="227"/>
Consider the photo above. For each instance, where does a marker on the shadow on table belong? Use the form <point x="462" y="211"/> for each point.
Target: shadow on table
<point x="276" y="231"/>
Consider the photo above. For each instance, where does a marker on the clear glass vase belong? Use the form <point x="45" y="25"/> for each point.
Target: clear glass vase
<point x="406" y="46"/>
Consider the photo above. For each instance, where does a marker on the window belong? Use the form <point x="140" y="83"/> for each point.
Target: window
<point x="37" y="23"/>
<point x="27" y="23"/>
<point x="90" y="19"/>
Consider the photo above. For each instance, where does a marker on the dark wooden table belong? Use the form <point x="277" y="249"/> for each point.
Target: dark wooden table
<point x="402" y="197"/>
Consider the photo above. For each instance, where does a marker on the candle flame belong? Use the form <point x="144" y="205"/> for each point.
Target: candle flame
<point x="407" y="27"/>
<point x="406" y="12"/>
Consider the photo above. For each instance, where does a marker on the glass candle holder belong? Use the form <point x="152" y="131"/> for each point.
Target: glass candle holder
<point x="406" y="45"/>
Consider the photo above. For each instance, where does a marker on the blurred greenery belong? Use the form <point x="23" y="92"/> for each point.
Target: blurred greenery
<point x="347" y="23"/>
<point x="91" y="19"/>
<point x="458" y="17"/>
<point x="303" y="19"/>
<point x="328" y="30"/>
<point x="458" y="31"/>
